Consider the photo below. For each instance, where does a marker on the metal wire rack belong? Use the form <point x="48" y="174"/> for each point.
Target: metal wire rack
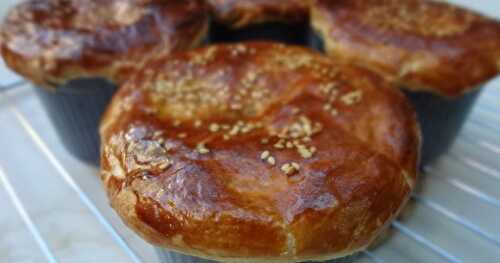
<point x="455" y="213"/>
<point x="54" y="210"/>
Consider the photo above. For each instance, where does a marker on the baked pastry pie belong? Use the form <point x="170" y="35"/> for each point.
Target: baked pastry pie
<point x="258" y="152"/>
<point x="440" y="53"/>
<point x="77" y="51"/>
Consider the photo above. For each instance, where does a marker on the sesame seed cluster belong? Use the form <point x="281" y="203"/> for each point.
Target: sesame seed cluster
<point x="415" y="17"/>
<point x="256" y="136"/>
<point x="206" y="100"/>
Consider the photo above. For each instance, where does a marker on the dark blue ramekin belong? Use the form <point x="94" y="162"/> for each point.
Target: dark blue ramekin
<point x="75" y="109"/>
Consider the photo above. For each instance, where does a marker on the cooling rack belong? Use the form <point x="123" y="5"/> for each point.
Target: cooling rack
<point x="54" y="210"/>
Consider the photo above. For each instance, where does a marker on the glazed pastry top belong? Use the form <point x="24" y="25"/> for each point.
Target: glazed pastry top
<point x="274" y="152"/>
<point x="419" y="44"/>
<point x="51" y="41"/>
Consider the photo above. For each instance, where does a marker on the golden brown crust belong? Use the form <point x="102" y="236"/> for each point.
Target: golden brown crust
<point x="240" y="13"/>
<point x="421" y="44"/>
<point x="258" y="151"/>
<point x="52" y="41"/>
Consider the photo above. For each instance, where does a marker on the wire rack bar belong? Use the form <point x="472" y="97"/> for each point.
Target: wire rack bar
<point x="425" y="242"/>
<point x="12" y="85"/>
<point x="457" y="219"/>
<point x="476" y="165"/>
<point x="490" y="146"/>
<point x="484" y="125"/>
<point x="464" y="187"/>
<point x="488" y="113"/>
<point x="73" y="185"/>
<point x="418" y="238"/>
<point x="373" y="257"/>
<point x="18" y="204"/>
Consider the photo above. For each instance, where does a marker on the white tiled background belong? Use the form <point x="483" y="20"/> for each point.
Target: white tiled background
<point x="52" y="208"/>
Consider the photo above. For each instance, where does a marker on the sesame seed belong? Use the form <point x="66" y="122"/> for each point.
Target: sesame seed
<point x="317" y="127"/>
<point x="352" y="97"/>
<point x="289" y="145"/>
<point x="264" y="155"/>
<point x="157" y="134"/>
<point x="198" y="123"/>
<point x="282" y="135"/>
<point x="226" y="137"/>
<point x="334" y="112"/>
<point x="264" y="141"/>
<point x="257" y="94"/>
<point x="214" y="127"/>
<point x="164" y="165"/>
<point x="327" y="88"/>
<point x="279" y="144"/>
<point x="327" y="107"/>
<point x="306" y="124"/>
<point x="285" y="167"/>
<point x="182" y="135"/>
<point x="168" y="146"/>
<point x="247" y="128"/>
<point x="177" y="123"/>
<point x="295" y="111"/>
<point x="271" y="160"/>
<point x="304" y="152"/>
<point x="201" y="148"/>
<point x="290" y="169"/>
<point x="236" y="106"/>
<point x="234" y="131"/>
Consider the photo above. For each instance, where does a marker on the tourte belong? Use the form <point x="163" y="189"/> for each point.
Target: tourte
<point x="419" y="44"/>
<point x="258" y="152"/>
<point x="241" y="13"/>
<point x="52" y="41"/>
